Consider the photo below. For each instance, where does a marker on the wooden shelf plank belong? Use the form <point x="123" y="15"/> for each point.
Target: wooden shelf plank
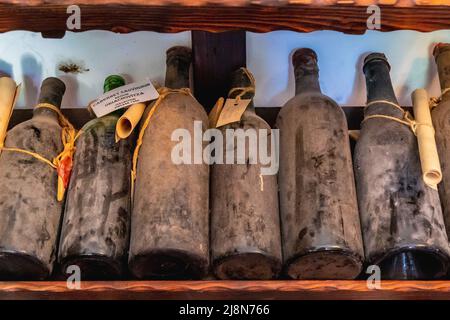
<point x="216" y="16"/>
<point x="214" y="289"/>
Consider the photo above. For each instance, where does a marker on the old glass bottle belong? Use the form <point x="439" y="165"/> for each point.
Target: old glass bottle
<point x="318" y="206"/>
<point x="401" y="217"/>
<point x="441" y="115"/>
<point x="245" y="227"/>
<point x="30" y="214"/>
<point x="170" y="223"/>
<point x="95" y="230"/>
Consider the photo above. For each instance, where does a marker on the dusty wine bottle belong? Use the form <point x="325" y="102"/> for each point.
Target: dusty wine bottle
<point x="318" y="206"/>
<point x="401" y="217"/>
<point x="95" y="229"/>
<point x="170" y="223"/>
<point x="440" y="115"/>
<point x="30" y="214"/>
<point x="245" y="226"/>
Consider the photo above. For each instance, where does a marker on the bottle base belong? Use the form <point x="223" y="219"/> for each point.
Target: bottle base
<point x="247" y="266"/>
<point x="168" y="264"/>
<point x="92" y="267"/>
<point x="325" y="264"/>
<point x="15" y="265"/>
<point x="413" y="264"/>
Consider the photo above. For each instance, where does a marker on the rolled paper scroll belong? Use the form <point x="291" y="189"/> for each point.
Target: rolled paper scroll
<point x="429" y="158"/>
<point x="128" y="121"/>
<point x="354" y="134"/>
<point x="8" y="96"/>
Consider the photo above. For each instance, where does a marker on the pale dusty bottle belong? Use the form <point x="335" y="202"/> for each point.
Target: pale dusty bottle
<point x="170" y="217"/>
<point x="440" y="115"/>
<point x="96" y="225"/>
<point x="30" y="213"/>
<point x="402" y="222"/>
<point x="318" y="206"/>
<point x="245" y="226"/>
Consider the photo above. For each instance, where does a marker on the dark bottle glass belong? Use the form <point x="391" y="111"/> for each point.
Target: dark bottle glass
<point x="170" y="217"/>
<point x="441" y="121"/>
<point x="401" y="217"/>
<point x="30" y="214"/>
<point x="245" y="224"/>
<point x="96" y="225"/>
<point x="318" y="206"/>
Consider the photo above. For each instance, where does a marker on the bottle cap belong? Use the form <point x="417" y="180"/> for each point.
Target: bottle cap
<point x="440" y="48"/>
<point x="179" y="52"/>
<point x="376" y="56"/>
<point x="112" y="82"/>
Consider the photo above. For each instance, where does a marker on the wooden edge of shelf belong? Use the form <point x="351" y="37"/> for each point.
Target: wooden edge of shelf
<point x="50" y="18"/>
<point x="215" y="289"/>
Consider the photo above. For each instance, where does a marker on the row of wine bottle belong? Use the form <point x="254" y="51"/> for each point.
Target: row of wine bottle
<point x="309" y="222"/>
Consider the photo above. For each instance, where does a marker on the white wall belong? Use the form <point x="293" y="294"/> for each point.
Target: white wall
<point x="29" y="59"/>
<point x="340" y="62"/>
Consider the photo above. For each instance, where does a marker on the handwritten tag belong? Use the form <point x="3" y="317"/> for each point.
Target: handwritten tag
<point x="232" y="111"/>
<point x="123" y="97"/>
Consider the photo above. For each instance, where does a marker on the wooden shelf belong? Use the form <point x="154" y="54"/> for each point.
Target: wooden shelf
<point x="49" y="17"/>
<point x="214" y="289"/>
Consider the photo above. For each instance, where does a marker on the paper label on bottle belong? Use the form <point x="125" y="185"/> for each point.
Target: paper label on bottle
<point x="232" y="111"/>
<point x="123" y="97"/>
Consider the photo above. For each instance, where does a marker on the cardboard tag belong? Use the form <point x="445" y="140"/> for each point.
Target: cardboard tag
<point x="123" y="97"/>
<point x="232" y="111"/>
<point x="214" y="114"/>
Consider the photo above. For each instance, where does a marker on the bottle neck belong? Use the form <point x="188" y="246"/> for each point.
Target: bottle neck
<point x="306" y="71"/>
<point x="442" y="56"/>
<point x="242" y="83"/>
<point x="112" y="82"/>
<point x="177" y="73"/>
<point x="306" y="80"/>
<point x="52" y="91"/>
<point x="379" y="88"/>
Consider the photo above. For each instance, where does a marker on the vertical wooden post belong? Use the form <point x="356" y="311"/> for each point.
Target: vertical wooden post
<point x="215" y="56"/>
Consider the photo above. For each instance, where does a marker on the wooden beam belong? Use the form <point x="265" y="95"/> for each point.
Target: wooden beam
<point x="215" y="57"/>
<point x="347" y="16"/>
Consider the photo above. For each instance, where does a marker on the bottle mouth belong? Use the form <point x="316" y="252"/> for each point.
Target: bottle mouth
<point x="112" y="82"/>
<point x="56" y="84"/>
<point x="376" y="56"/>
<point x="305" y="57"/>
<point x="440" y="48"/>
<point x="180" y="53"/>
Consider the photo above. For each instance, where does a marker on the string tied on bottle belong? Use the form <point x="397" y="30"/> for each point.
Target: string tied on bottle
<point x="434" y="101"/>
<point x="407" y="119"/>
<point x="422" y="127"/>
<point x="63" y="162"/>
<point x="163" y="93"/>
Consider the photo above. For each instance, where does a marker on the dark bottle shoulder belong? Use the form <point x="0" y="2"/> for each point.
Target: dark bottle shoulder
<point x="100" y="123"/>
<point x="299" y="105"/>
<point x="36" y="125"/>
<point x="183" y="104"/>
<point x="249" y="119"/>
